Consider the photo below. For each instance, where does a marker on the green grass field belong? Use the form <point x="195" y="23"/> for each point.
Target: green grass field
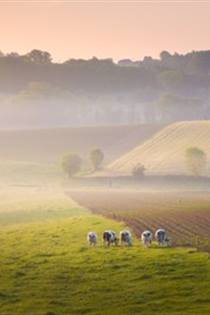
<point x="30" y="173"/>
<point x="46" y="267"/>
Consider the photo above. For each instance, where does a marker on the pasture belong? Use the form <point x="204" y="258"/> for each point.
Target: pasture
<point x="184" y="214"/>
<point x="25" y="173"/>
<point x="46" y="267"/>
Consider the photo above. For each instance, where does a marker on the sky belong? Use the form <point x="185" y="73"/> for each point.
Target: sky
<point x="105" y="29"/>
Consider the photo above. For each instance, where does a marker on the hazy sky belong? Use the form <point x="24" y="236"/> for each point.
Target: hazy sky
<point x="117" y="29"/>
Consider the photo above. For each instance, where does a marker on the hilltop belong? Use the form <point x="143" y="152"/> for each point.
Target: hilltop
<point x="164" y="153"/>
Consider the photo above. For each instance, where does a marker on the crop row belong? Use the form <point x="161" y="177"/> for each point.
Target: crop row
<point x="186" y="216"/>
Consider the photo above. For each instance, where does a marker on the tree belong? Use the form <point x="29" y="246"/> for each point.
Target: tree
<point x="196" y="161"/>
<point x="172" y="107"/>
<point x="172" y="79"/>
<point x="165" y="55"/>
<point x="96" y="158"/>
<point x="71" y="164"/>
<point x="13" y="55"/>
<point x="138" y="170"/>
<point x="199" y="62"/>
<point x="39" y="57"/>
<point x="35" y="91"/>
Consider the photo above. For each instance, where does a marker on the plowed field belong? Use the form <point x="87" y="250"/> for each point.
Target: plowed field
<point x="185" y="215"/>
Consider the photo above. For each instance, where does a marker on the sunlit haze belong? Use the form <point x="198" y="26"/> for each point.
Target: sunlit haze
<point x="113" y="29"/>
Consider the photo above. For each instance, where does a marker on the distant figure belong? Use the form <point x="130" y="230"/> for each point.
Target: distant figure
<point x="146" y="238"/>
<point x="161" y="237"/>
<point x="125" y="238"/>
<point x="92" y="238"/>
<point x="110" y="238"/>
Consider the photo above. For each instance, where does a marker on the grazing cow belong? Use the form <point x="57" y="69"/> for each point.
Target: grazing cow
<point x="161" y="237"/>
<point x="125" y="238"/>
<point x="168" y="241"/>
<point x="146" y="238"/>
<point x="110" y="238"/>
<point x="92" y="238"/>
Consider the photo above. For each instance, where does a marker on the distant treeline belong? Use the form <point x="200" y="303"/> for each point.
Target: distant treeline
<point x="173" y="87"/>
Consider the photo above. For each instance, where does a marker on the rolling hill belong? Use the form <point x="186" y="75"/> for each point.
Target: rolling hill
<point x="48" y="145"/>
<point x="164" y="153"/>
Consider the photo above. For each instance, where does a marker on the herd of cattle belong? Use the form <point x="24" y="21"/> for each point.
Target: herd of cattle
<point x="125" y="238"/>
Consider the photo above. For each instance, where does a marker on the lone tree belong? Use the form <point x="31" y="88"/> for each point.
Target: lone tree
<point x="138" y="170"/>
<point x="71" y="164"/>
<point x="96" y="158"/>
<point x="196" y="161"/>
<point x="38" y="57"/>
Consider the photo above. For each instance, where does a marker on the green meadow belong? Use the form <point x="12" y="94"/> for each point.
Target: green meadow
<point x="47" y="268"/>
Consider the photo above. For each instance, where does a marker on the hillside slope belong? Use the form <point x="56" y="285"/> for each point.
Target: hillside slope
<point x="48" y="269"/>
<point x="47" y="145"/>
<point x="164" y="153"/>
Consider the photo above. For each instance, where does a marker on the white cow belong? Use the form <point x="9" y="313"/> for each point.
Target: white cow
<point x="146" y="238"/>
<point x="92" y="238"/>
<point x="125" y="238"/>
<point x="161" y="237"/>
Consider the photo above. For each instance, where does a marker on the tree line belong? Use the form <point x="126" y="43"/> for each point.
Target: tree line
<point x="72" y="162"/>
<point x="173" y="87"/>
<point x="171" y="71"/>
<point x="195" y="162"/>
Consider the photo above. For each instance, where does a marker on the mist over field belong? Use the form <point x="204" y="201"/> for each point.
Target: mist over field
<point x="116" y="151"/>
<point x="79" y="92"/>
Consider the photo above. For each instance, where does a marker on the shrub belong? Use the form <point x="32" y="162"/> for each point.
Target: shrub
<point x="196" y="161"/>
<point x="138" y="170"/>
<point x="71" y="164"/>
<point x="96" y="158"/>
